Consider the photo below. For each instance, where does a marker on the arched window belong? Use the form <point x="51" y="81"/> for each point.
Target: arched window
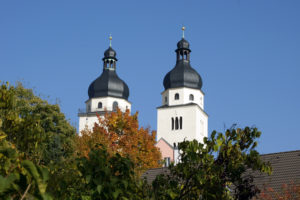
<point x="176" y="123"/>
<point x="99" y="105"/>
<point x="191" y="97"/>
<point x="166" y="99"/>
<point x="176" y="96"/>
<point x="115" y="106"/>
<point x="180" y="123"/>
<point x="172" y="123"/>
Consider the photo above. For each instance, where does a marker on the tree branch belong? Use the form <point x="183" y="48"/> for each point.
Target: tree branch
<point x="26" y="191"/>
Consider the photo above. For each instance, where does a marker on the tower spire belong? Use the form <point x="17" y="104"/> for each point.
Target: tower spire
<point x="182" y="28"/>
<point x="110" y="38"/>
<point x="110" y="57"/>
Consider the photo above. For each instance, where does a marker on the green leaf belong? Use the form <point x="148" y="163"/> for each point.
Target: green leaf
<point x="116" y="194"/>
<point x="216" y="148"/>
<point x="219" y="142"/>
<point x="31" y="169"/>
<point x="88" y="178"/>
<point x="6" y="183"/>
<point x="99" y="189"/>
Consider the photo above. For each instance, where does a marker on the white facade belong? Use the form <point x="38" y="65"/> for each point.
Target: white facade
<point x="181" y="117"/>
<point x="98" y="106"/>
<point x="186" y="95"/>
<point x="192" y="120"/>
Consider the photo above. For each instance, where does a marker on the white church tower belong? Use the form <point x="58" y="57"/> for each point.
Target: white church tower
<point x="181" y="116"/>
<point x="107" y="93"/>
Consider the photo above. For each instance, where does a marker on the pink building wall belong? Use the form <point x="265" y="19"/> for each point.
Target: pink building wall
<point x="165" y="149"/>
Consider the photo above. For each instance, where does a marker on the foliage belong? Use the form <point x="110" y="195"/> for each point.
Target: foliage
<point x="218" y="169"/>
<point x="38" y="158"/>
<point x="120" y="133"/>
<point x="20" y="179"/>
<point x="109" y="177"/>
<point x="39" y="130"/>
<point x="289" y="191"/>
<point x="38" y="133"/>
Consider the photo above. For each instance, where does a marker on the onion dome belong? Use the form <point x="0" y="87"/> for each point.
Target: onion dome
<point x="183" y="75"/>
<point x="110" y="53"/>
<point x="183" y="44"/>
<point x="109" y="83"/>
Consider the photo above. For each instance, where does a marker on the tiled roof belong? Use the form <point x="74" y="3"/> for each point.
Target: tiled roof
<point x="151" y="174"/>
<point x="286" y="169"/>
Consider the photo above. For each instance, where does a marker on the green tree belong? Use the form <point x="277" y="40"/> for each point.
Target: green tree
<point x="19" y="178"/>
<point x="221" y="168"/>
<point x="109" y="177"/>
<point x="38" y="130"/>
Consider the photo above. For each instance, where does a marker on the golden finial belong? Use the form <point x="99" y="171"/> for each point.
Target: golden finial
<point x="182" y="28"/>
<point x="110" y="38"/>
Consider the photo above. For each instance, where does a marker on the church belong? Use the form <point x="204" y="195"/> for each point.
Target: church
<point x="107" y="93"/>
<point x="181" y="115"/>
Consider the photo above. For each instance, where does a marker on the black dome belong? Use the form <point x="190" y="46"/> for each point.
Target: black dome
<point x="108" y="84"/>
<point x="183" y="44"/>
<point x="110" y="53"/>
<point x="183" y="75"/>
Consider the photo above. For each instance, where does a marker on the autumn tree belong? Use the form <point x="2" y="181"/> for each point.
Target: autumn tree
<point x="220" y="168"/>
<point x="120" y="133"/>
<point x="290" y="191"/>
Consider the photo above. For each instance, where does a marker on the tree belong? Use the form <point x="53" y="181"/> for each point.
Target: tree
<point x="289" y="191"/>
<point x="221" y="168"/>
<point x="109" y="177"/>
<point x="37" y="130"/>
<point x="41" y="131"/>
<point x="38" y="158"/>
<point x="19" y="178"/>
<point x="120" y="133"/>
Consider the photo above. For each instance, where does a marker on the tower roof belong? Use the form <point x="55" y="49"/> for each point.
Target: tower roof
<point x="110" y="53"/>
<point x="183" y="75"/>
<point x="183" y="44"/>
<point x="109" y="83"/>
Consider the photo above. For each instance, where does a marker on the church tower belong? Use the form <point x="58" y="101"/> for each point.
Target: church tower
<point x="181" y="116"/>
<point x="107" y="93"/>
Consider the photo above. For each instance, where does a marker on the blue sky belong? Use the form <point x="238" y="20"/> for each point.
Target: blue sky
<point x="247" y="53"/>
